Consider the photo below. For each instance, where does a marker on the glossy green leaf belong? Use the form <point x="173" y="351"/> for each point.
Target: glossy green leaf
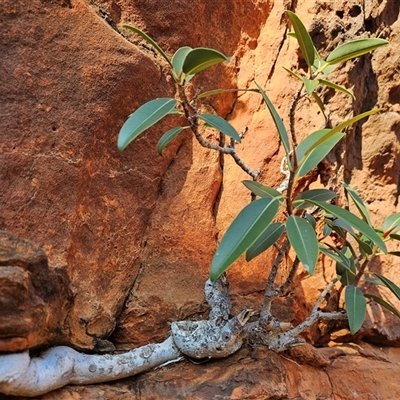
<point x="143" y="118"/>
<point x="267" y="239"/>
<point x="220" y="124"/>
<point x="354" y="48"/>
<point x="337" y="87"/>
<point x="304" y="241"/>
<point x="317" y="154"/>
<point x="309" y="143"/>
<point x="300" y="201"/>
<point x="311" y="220"/>
<point x="219" y="91"/>
<point x="332" y="254"/>
<point x="343" y="225"/>
<point x="365" y="245"/>
<point x="358" y="202"/>
<point x="310" y="84"/>
<point x="277" y="120"/>
<point x="150" y="41"/>
<point x="383" y="303"/>
<point x="245" y="229"/>
<point x="177" y="62"/>
<point x="394" y="236"/>
<point x="320" y="66"/>
<point x="326" y="231"/>
<point x="303" y="38"/>
<point x="389" y="284"/>
<point x="356" y="307"/>
<point x="201" y="58"/>
<point x="168" y="137"/>
<point x="346" y="268"/>
<point x="354" y="221"/>
<point x="261" y="190"/>
<point x="392" y="223"/>
<point x="316" y="138"/>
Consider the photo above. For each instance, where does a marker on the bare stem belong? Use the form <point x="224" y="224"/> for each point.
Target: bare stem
<point x="190" y="111"/>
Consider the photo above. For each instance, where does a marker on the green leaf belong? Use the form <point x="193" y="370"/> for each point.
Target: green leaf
<point x="245" y="229"/>
<point x="354" y="221"/>
<point x="354" y="48"/>
<point x="356" y="307"/>
<point x="297" y="76"/>
<point x="394" y="236"/>
<point x="358" y="202"/>
<point x="303" y="38"/>
<point x="219" y="123"/>
<point x="201" y="58"/>
<point x="300" y="201"/>
<point x="366" y="246"/>
<point x="150" y="41"/>
<point x="177" y="62"/>
<point x="261" y="190"/>
<point x="320" y="103"/>
<point x="168" y="137"/>
<point x="143" y="118"/>
<point x="337" y="87"/>
<point x="389" y="284"/>
<point x="219" y="91"/>
<point x="383" y="303"/>
<point x="310" y="84"/>
<point x="309" y="143"/>
<point x="346" y="268"/>
<point x="314" y="155"/>
<point x="331" y="254"/>
<point x="267" y="239"/>
<point x="320" y="66"/>
<point x="392" y="223"/>
<point x="277" y="120"/>
<point x="351" y="121"/>
<point x="311" y="220"/>
<point x="304" y="241"/>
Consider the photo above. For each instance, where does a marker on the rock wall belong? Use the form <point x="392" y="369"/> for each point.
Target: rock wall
<point x="134" y="233"/>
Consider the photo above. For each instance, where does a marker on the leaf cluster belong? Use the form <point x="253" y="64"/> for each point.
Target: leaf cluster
<point x="257" y="227"/>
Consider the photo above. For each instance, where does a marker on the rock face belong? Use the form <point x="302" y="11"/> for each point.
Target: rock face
<point x="130" y="236"/>
<point x="35" y="299"/>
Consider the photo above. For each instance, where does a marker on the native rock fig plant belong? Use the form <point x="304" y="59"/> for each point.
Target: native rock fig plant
<point x="256" y="228"/>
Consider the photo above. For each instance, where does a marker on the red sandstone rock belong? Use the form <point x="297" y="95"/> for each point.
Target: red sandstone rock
<point x="137" y="231"/>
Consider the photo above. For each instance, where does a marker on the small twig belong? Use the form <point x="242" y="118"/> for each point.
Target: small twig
<point x="190" y="111"/>
<point x="315" y="313"/>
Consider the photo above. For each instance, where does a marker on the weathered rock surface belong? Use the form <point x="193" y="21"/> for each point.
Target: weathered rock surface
<point x="356" y="372"/>
<point x="136" y="231"/>
<point x="35" y="299"/>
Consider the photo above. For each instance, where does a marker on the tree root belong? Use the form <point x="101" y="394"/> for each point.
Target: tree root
<point x="218" y="337"/>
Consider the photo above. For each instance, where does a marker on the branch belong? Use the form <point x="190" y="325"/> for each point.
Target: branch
<point x="190" y="112"/>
